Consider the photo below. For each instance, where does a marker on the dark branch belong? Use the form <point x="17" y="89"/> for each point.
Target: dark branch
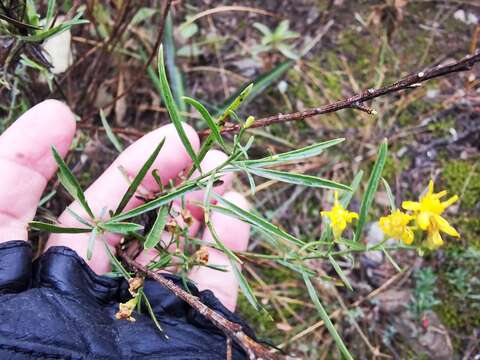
<point x="408" y="82"/>
<point x="231" y="330"/>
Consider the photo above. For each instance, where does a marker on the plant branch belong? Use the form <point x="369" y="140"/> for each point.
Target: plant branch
<point x="354" y="102"/>
<point x="232" y="330"/>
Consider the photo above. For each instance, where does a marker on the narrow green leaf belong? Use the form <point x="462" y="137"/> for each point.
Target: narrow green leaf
<point x="152" y="313"/>
<point x="208" y="118"/>
<point x="348" y="195"/>
<point x="139" y="178"/>
<point x="236" y="102"/>
<point x="391" y="260"/>
<point x="91" y="243"/>
<point x="244" y="286"/>
<point x="298" y="179"/>
<point x="340" y="272"/>
<point x="50" y="12"/>
<point x="326" y="320"/>
<point x="47" y="197"/>
<point x="70" y="183"/>
<point x="174" y="74"/>
<point x="154" y="236"/>
<point x="108" y="130"/>
<point x="257" y="221"/>
<point x="155" y="204"/>
<point x="172" y="108"/>
<point x="123" y="228"/>
<point x="115" y="263"/>
<point x="232" y="257"/>
<point x="260" y="84"/>
<point x="294" y="155"/>
<point x="371" y="188"/>
<point x="391" y="198"/>
<point x="57" y="229"/>
<point x="78" y="217"/>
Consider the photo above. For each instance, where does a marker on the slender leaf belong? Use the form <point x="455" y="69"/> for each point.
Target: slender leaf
<point x="57" y="229"/>
<point x="326" y="320"/>
<point x="340" y="272"/>
<point x="123" y="228"/>
<point x="260" y="84"/>
<point x="235" y="103"/>
<point x="116" y="264"/>
<point x="91" y="243"/>
<point x="298" y="179"/>
<point x="70" y="183"/>
<point x="294" y="155"/>
<point x="172" y="108"/>
<point x="244" y="285"/>
<point x="47" y="197"/>
<point x="50" y="12"/>
<point x="155" y="204"/>
<point x="174" y="73"/>
<point x="231" y="255"/>
<point x="139" y="178"/>
<point x="152" y="313"/>
<point x="391" y="198"/>
<point x="155" y="233"/>
<point x="108" y="130"/>
<point x="208" y="118"/>
<point x="371" y="188"/>
<point x="257" y="221"/>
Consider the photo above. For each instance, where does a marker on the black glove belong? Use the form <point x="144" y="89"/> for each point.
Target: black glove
<point x="58" y="308"/>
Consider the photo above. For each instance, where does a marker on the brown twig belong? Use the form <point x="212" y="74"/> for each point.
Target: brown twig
<point x="354" y="102"/>
<point x="232" y="330"/>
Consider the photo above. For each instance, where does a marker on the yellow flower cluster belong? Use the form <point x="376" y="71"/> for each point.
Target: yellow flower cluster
<point x="427" y="215"/>
<point x="339" y="217"/>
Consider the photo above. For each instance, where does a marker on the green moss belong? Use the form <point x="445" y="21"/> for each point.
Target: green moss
<point x="394" y="166"/>
<point x="441" y="128"/>
<point x="463" y="178"/>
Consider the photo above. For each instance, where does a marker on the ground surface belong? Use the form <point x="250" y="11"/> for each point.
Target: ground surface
<point x="433" y="307"/>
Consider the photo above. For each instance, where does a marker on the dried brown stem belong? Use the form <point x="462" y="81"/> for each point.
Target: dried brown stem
<point x="408" y="82"/>
<point x="232" y="330"/>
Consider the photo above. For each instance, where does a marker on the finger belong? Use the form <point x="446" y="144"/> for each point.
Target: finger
<point x="212" y="159"/>
<point x="26" y="163"/>
<point x="109" y="188"/>
<point x="234" y="234"/>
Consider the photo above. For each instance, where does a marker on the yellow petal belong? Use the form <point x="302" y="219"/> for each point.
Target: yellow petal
<point x="445" y="227"/>
<point x="411" y="205"/>
<point x="430" y="187"/>
<point x="352" y="215"/>
<point x="450" y="201"/>
<point x="407" y="237"/>
<point x="423" y="220"/>
<point x="440" y="194"/>
<point x="435" y="240"/>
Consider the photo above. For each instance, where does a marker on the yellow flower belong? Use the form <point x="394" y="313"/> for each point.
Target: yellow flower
<point x="339" y="217"/>
<point x="427" y="213"/>
<point x="396" y="226"/>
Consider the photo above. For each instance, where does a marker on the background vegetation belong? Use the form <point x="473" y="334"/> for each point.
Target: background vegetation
<point x="299" y="54"/>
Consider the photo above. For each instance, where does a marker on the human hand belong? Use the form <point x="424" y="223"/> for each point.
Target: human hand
<point x="26" y="164"/>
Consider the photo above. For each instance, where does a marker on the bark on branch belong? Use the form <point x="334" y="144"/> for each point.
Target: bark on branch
<point x="354" y="102"/>
<point x="232" y="330"/>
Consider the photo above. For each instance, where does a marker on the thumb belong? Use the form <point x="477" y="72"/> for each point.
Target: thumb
<point x="26" y="163"/>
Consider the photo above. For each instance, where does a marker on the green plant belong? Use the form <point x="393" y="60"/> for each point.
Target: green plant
<point x="276" y="40"/>
<point x="424" y="297"/>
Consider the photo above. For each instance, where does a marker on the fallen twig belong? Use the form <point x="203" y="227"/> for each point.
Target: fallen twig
<point x="232" y="330"/>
